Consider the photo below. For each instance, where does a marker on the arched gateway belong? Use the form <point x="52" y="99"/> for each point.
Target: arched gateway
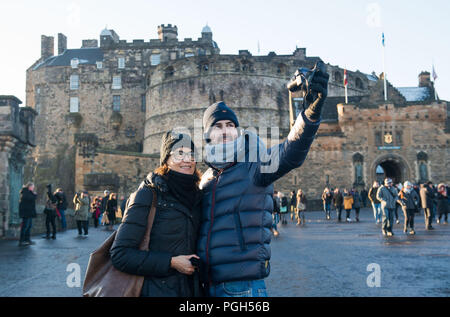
<point x="392" y="166"/>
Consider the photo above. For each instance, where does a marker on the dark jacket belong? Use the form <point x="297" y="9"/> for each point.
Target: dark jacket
<point x="409" y="200"/>
<point x="111" y="208"/>
<point x="50" y="205"/>
<point x="27" y="203"/>
<point x="61" y="201"/>
<point x="174" y="233"/>
<point x="356" y="200"/>
<point x="338" y="199"/>
<point x="327" y="198"/>
<point x="442" y="204"/>
<point x="234" y="241"/>
<point x="373" y="195"/>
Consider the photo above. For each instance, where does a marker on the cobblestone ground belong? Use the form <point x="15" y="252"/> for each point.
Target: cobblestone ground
<point x="323" y="258"/>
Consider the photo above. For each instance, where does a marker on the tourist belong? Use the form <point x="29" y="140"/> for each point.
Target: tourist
<point x="81" y="202"/>
<point x="387" y="195"/>
<point x="376" y="204"/>
<point x="327" y="199"/>
<point x="427" y="197"/>
<point x="348" y="203"/>
<point x="61" y="207"/>
<point x="168" y="266"/>
<point x="338" y="201"/>
<point x="442" y="203"/>
<point x="409" y="200"/>
<point x="27" y="211"/>
<point x="301" y="207"/>
<point x="356" y="203"/>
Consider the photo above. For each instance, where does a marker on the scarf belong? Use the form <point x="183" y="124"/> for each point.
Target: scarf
<point x="183" y="186"/>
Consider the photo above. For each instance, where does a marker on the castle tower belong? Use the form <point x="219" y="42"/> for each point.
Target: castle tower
<point x="168" y="32"/>
<point x="207" y="33"/>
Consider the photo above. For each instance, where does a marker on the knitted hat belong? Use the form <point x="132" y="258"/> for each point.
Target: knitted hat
<point x="218" y="112"/>
<point x="173" y="140"/>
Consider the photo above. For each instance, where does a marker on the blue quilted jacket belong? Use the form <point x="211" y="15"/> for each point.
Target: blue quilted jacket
<point x="234" y="239"/>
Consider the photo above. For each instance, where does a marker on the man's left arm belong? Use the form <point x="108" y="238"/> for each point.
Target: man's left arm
<point x="292" y="153"/>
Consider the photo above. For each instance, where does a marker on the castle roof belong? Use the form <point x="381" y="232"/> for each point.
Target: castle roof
<point x="87" y="56"/>
<point x="206" y="29"/>
<point x="416" y="94"/>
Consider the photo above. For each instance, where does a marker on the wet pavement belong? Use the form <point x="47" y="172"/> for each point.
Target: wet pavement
<point x="323" y="258"/>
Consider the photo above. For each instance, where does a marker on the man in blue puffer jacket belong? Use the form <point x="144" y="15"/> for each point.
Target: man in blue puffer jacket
<point x="234" y="240"/>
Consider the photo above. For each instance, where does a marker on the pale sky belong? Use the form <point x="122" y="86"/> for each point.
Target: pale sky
<point x="341" y="32"/>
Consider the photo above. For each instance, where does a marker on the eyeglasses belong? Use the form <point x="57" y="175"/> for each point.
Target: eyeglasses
<point x="180" y="155"/>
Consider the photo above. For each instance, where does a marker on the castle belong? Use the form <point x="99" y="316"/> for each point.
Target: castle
<point x="103" y="108"/>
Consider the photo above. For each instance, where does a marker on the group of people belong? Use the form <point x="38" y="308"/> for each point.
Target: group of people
<point x="347" y="200"/>
<point x="412" y="198"/>
<point x="55" y="210"/>
<point x="295" y="205"/>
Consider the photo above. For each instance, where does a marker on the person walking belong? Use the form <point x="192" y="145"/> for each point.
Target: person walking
<point x="387" y="195"/>
<point x="283" y="208"/>
<point x="398" y="187"/>
<point x="293" y="205"/>
<point x="50" y="212"/>
<point x="364" y="195"/>
<point x="376" y="204"/>
<point x="103" y="203"/>
<point x="338" y="201"/>
<point x="427" y="197"/>
<point x="81" y="202"/>
<point x="442" y="204"/>
<point x="95" y="211"/>
<point x="327" y="199"/>
<point x="409" y="200"/>
<point x="275" y="215"/>
<point x="301" y="208"/>
<point x="348" y="203"/>
<point x="61" y="207"/>
<point x="170" y="266"/>
<point x="27" y="211"/>
<point x="110" y="210"/>
<point x="356" y="203"/>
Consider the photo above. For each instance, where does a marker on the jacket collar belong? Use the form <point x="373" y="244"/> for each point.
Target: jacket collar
<point x="156" y="181"/>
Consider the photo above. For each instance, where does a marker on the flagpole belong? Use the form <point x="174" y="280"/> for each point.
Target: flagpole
<point x="345" y="85"/>
<point x="384" y="70"/>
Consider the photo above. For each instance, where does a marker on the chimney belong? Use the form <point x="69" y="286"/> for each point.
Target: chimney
<point x="424" y="79"/>
<point x="47" y="46"/>
<point x="62" y="43"/>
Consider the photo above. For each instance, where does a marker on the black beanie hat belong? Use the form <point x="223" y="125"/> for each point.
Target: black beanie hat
<point x="173" y="140"/>
<point x="218" y="112"/>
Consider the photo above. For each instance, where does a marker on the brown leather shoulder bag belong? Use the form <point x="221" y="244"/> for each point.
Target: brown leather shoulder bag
<point x="102" y="279"/>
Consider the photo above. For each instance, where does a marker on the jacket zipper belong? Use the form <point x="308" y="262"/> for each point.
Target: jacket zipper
<point x="213" y="203"/>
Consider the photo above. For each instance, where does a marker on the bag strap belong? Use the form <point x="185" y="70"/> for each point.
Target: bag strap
<point x="151" y="217"/>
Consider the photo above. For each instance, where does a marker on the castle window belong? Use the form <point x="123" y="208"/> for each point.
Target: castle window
<point x="117" y="82"/>
<point x="143" y="103"/>
<point x="99" y="65"/>
<point x="359" y="84"/>
<point x="121" y="63"/>
<point x="399" y="137"/>
<point x="116" y="103"/>
<point x="189" y="55"/>
<point x="74" y="63"/>
<point x="378" y="140"/>
<point x="173" y="56"/>
<point x="338" y="77"/>
<point x="74" y="105"/>
<point x="155" y="59"/>
<point x="74" y="82"/>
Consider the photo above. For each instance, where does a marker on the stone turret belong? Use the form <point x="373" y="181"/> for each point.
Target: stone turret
<point x="168" y="32"/>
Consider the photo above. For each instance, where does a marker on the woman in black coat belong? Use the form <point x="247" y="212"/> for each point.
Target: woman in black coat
<point x="110" y="209"/>
<point x="169" y="266"/>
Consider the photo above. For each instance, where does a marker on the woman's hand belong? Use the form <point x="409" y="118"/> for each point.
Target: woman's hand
<point x="183" y="264"/>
